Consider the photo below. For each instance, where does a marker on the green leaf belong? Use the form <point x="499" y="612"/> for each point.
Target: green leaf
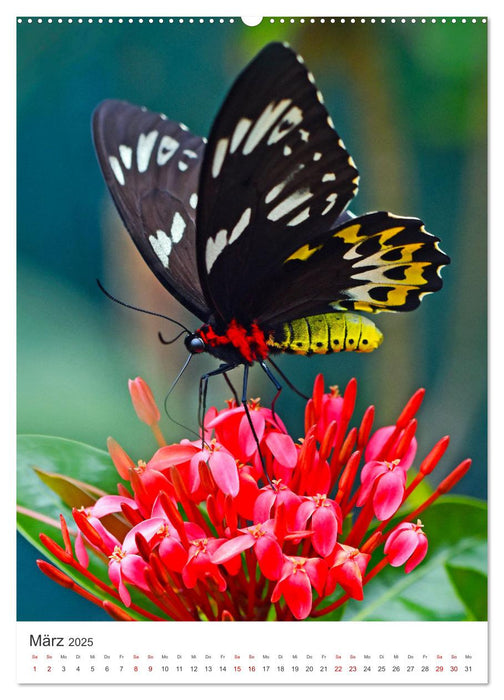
<point x="72" y="492"/>
<point x="65" y="458"/>
<point x="471" y="587"/>
<point x="440" y="588"/>
<point x="48" y="465"/>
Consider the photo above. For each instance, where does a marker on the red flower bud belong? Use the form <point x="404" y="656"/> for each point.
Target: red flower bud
<point x="143" y="401"/>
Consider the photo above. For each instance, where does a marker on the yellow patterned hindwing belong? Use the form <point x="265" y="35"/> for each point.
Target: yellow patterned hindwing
<point x="376" y="262"/>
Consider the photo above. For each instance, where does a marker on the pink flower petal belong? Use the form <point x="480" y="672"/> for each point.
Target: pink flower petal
<point x="418" y="555"/>
<point x="247" y="495"/>
<point x="133" y="568"/>
<point x="109" y="540"/>
<point x="263" y="505"/>
<point x="246" y="436"/>
<point x="304" y="511"/>
<point x="172" y="455"/>
<point x="173" y="554"/>
<point x="224" y="415"/>
<point x="282" y="448"/>
<point x="148" y="528"/>
<point x="325" y="526"/>
<point x="225" y="472"/>
<point x="269" y="557"/>
<point x="297" y="592"/>
<point x="377" y="442"/>
<point x="111" y="504"/>
<point x="372" y="470"/>
<point x="232" y="547"/>
<point x="81" y="551"/>
<point x="116" y="578"/>
<point x="194" y="475"/>
<point x="409" y="457"/>
<point x="401" y="547"/>
<point x="389" y="494"/>
<point x="317" y="572"/>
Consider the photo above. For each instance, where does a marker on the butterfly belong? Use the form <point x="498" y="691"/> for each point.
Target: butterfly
<point x="249" y="230"/>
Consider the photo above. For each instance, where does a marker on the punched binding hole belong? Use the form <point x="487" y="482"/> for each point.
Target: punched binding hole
<point x="251" y="21"/>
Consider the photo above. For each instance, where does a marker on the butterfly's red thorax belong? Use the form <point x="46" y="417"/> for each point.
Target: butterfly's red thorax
<point x="250" y="342"/>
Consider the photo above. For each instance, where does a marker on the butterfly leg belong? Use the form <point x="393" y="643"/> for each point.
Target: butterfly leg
<point x="233" y="390"/>
<point x="277" y="386"/>
<point x="203" y="386"/>
<point x="249" y="418"/>
<point x="287" y="381"/>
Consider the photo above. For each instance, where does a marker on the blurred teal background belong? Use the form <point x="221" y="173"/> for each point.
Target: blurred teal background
<point x="409" y="101"/>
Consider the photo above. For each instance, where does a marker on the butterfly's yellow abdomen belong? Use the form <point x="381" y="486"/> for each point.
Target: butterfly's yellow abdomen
<point x="325" y="333"/>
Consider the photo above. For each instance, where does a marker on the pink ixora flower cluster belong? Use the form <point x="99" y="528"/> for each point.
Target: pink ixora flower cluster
<point x="202" y="534"/>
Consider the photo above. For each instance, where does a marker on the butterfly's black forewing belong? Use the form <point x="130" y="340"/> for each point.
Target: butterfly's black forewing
<point x="152" y="166"/>
<point x="275" y="175"/>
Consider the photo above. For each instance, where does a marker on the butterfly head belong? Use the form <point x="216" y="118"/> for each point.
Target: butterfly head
<point x="195" y="344"/>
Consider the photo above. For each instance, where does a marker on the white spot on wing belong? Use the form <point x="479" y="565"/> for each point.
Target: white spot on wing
<point x="293" y="117"/>
<point x="287" y="150"/>
<point x="238" y="134"/>
<point x="177" y="227"/>
<point x="193" y="200"/>
<point x="268" y="117"/>
<point x="289" y="203"/>
<point x="240" y="227"/>
<point x="332" y="201"/>
<point x="116" y="169"/>
<point x="328" y="176"/>
<point x="361" y="293"/>
<point x="375" y="275"/>
<point x="126" y="153"/>
<point x="214" y="248"/>
<point x="274" y="192"/>
<point x="352" y="253"/>
<point x="219" y="155"/>
<point x="144" y="149"/>
<point x="305" y="135"/>
<point x="189" y="154"/>
<point x="162" y="246"/>
<point x="302" y="216"/>
<point x="317" y="156"/>
<point x="166" y="149"/>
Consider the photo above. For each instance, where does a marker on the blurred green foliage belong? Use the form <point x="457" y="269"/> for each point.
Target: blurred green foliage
<point x="409" y="101"/>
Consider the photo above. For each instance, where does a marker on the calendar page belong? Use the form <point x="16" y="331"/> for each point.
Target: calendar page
<point x="251" y="349"/>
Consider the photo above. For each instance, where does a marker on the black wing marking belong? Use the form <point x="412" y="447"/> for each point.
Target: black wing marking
<point x="152" y="166"/>
<point x="275" y="175"/>
<point x="376" y="262"/>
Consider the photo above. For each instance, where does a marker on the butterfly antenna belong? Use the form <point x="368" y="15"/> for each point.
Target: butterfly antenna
<point x="137" y="308"/>
<point x="174" y="384"/>
<point x="169" y="342"/>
